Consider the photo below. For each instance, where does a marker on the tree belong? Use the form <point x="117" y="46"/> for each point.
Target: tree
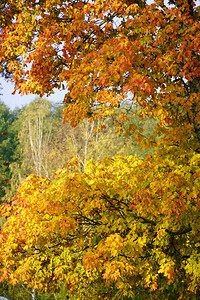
<point x="122" y="228"/>
<point x="36" y="123"/>
<point x="8" y="145"/>
<point x="102" y="52"/>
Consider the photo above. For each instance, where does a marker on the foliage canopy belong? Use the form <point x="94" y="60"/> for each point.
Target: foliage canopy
<point x="123" y="228"/>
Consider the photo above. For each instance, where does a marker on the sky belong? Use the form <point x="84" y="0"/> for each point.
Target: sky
<point x="13" y="101"/>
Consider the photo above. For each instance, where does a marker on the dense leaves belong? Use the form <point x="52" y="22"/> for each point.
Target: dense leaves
<point x="122" y="228"/>
<point x="102" y="51"/>
<point x="123" y="223"/>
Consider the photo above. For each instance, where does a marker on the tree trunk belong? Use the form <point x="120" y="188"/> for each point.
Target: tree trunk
<point x="33" y="294"/>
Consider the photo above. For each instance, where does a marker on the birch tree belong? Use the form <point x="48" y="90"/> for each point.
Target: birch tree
<point x="35" y="136"/>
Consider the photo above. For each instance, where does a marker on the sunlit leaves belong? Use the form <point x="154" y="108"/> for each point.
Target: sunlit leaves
<point x="122" y="227"/>
<point x="118" y="220"/>
<point x="102" y="47"/>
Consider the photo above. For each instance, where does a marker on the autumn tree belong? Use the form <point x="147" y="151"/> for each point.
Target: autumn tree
<point x="123" y="228"/>
<point x="102" y="51"/>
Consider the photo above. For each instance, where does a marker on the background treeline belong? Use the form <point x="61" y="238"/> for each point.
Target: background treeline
<point x="35" y="140"/>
